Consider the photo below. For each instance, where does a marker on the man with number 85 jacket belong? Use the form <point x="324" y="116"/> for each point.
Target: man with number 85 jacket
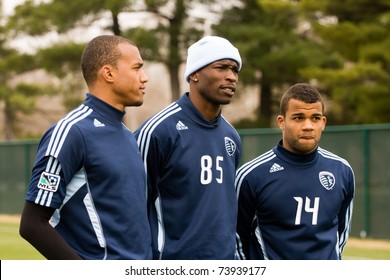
<point x="191" y="154"/>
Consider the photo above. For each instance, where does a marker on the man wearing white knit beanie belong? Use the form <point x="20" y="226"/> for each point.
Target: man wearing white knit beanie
<point x="208" y="50"/>
<point x="191" y="154"/>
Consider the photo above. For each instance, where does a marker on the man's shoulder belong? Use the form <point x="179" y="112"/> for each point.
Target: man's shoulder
<point x="263" y="161"/>
<point x="74" y="124"/>
<point x="332" y="157"/>
<point x="161" y="119"/>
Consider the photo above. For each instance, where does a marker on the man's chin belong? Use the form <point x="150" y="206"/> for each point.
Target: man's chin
<point x="136" y="103"/>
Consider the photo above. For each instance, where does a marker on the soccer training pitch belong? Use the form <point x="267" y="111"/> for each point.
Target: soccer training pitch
<point x="13" y="247"/>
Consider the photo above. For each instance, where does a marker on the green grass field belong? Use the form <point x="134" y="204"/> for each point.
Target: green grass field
<point x="13" y="247"/>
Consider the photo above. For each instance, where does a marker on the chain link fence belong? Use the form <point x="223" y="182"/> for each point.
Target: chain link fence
<point x="366" y="147"/>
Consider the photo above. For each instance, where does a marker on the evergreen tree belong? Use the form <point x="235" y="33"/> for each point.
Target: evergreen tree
<point x="358" y="30"/>
<point x="274" y="49"/>
<point x="16" y="96"/>
<point x="165" y="43"/>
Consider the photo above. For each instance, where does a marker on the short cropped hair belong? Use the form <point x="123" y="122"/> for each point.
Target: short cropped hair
<point x="100" y="51"/>
<point x="303" y="92"/>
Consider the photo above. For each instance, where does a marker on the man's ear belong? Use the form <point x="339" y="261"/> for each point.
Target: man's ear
<point x="106" y="73"/>
<point x="280" y="121"/>
<point x="194" y="77"/>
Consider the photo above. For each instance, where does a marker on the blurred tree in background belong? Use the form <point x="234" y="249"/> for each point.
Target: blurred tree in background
<point x="275" y="47"/>
<point x="359" y="31"/>
<point x="163" y="37"/>
<point x="17" y="96"/>
<point x="342" y="47"/>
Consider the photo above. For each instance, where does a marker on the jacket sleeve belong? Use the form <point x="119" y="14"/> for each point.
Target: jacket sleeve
<point x="153" y="159"/>
<point x="245" y="219"/>
<point x="52" y="177"/>
<point x="346" y="210"/>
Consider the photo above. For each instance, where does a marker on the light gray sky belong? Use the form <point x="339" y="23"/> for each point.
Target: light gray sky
<point x="8" y="5"/>
<point x="29" y="44"/>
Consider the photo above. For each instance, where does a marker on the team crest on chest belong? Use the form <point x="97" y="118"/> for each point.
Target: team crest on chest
<point x="49" y="182"/>
<point x="327" y="179"/>
<point x="230" y="146"/>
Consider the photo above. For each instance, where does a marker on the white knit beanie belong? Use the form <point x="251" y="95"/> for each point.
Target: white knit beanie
<point x="207" y="50"/>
